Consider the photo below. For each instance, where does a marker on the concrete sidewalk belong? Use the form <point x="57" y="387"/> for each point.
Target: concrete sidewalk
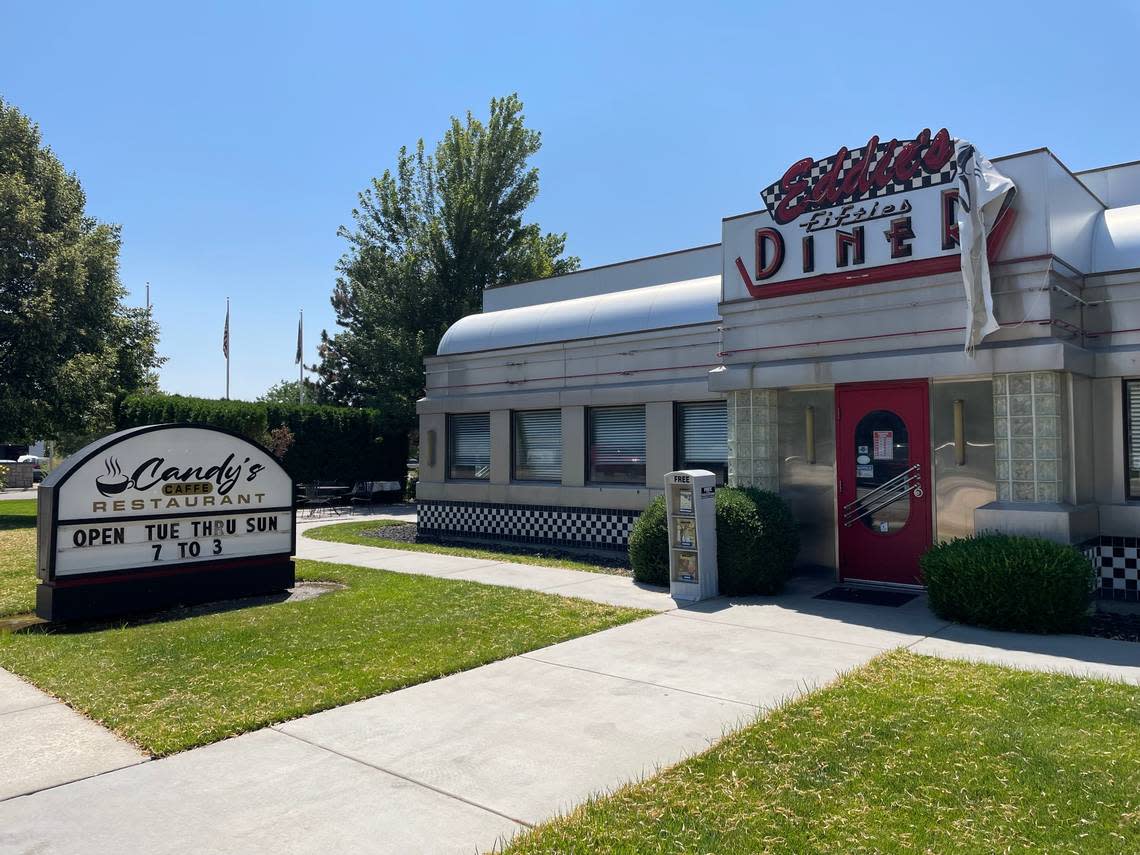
<point x="13" y="493"/>
<point x="599" y="587"/>
<point x="45" y="743"/>
<point x="402" y="513"/>
<point x="462" y="763"/>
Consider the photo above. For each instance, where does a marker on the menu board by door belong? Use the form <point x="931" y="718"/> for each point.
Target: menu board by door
<point x="884" y="444"/>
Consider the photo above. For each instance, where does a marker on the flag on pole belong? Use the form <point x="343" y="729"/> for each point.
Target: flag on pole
<point x="298" y="360"/>
<point x="226" y="333"/>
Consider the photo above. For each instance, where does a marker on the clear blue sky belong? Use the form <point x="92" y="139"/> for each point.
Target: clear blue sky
<point x="230" y="139"/>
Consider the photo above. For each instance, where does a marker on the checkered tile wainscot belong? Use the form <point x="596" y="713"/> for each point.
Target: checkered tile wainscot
<point x="584" y="528"/>
<point x="773" y="194"/>
<point x="1116" y="560"/>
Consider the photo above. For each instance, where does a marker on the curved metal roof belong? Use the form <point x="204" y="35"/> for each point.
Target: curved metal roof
<point x="1116" y="240"/>
<point x="675" y="304"/>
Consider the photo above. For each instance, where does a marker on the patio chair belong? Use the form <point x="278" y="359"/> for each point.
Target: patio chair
<point x="302" y="496"/>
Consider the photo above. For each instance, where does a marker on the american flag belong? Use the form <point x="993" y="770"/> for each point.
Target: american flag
<point x="226" y="333"/>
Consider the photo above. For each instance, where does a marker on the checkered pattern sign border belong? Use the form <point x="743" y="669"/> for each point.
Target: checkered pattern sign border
<point x="773" y="194"/>
<point x="583" y="528"/>
<point x="1117" y="560"/>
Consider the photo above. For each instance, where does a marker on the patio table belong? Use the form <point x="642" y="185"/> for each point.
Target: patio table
<point x="324" y="498"/>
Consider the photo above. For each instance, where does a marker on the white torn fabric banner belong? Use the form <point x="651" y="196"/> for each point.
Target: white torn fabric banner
<point x="983" y="194"/>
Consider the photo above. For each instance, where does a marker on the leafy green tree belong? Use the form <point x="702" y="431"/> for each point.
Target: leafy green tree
<point x="427" y="239"/>
<point x="289" y="392"/>
<point x="69" y="348"/>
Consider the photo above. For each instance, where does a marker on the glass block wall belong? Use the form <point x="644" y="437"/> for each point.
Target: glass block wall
<point x="1029" y="445"/>
<point x="752" y="460"/>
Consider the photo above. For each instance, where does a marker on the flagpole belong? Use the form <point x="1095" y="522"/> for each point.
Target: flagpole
<point x="301" y="356"/>
<point x="227" y="348"/>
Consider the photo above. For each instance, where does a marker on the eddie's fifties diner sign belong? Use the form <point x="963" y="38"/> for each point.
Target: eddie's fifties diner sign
<point x="163" y="514"/>
<point x="891" y="209"/>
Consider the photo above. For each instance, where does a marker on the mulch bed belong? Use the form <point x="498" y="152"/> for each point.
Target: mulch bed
<point x="617" y="565"/>
<point x="1122" y="627"/>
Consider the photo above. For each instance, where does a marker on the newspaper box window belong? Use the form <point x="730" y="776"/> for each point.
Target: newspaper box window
<point x="690" y="500"/>
<point x="162" y="515"/>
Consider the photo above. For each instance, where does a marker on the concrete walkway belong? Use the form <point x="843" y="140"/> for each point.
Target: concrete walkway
<point x="462" y="763"/>
<point x="401" y="512"/>
<point x="599" y="587"/>
<point x="14" y="493"/>
<point x="45" y="743"/>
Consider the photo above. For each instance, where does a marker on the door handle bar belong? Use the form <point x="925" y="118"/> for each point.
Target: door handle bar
<point x="879" y="503"/>
<point x="913" y="472"/>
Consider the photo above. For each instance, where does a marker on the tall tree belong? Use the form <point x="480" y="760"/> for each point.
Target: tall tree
<point x="69" y="348"/>
<point x="427" y="240"/>
<point x="289" y="392"/>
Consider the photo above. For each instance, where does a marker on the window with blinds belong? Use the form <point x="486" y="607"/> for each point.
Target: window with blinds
<point x="702" y="437"/>
<point x="469" y="446"/>
<point x="615" y="448"/>
<point x="537" y="445"/>
<point x="1132" y="436"/>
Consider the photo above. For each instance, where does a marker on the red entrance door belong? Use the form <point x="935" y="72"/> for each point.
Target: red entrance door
<point x="884" y="484"/>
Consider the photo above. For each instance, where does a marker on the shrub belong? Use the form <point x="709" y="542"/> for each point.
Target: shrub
<point x="756" y="537"/>
<point x="755" y="550"/>
<point x="649" y="545"/>
<point x="1004" y="581"/>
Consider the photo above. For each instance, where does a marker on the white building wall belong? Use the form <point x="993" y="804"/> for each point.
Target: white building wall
<point x="657" y="368"/>
<point x="1116" y="186"/>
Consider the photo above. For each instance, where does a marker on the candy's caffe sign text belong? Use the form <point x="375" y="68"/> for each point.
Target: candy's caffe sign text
<point x="834" y="220"/>
<point x="164" y="497"/>
<point x="201" y="486"/>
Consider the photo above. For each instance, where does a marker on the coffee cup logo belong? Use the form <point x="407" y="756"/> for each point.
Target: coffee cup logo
<point x="114" y="481"/>
<point x="184" y="480"/>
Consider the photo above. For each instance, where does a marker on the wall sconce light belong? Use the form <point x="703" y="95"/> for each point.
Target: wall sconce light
<point x="960" y="432"/>
<point x="431" y="448"/>
<point x="809" y="433"/>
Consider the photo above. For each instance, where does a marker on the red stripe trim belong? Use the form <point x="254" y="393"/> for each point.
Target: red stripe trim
<point x="1112" y="332"/>
<point x="1042" y="322"/>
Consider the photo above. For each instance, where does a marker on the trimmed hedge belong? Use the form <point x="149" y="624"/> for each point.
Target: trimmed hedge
<point x="342" y="444"/>
<point x="1003" y="581"/>
<point x="757" y="542"/>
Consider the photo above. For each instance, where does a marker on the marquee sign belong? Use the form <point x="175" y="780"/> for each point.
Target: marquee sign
<point x="888" y="210"/>
<point x="163" y="514"/>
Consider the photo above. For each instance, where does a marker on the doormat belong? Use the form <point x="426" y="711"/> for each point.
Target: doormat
<point x="867" y="596"/>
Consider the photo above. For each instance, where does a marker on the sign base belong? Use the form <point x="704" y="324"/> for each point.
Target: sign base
<point x="88" y="599"/>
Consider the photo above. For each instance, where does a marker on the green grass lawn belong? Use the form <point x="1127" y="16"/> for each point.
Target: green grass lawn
<point x="351" y="533"/>
<point x="172" y="685"/>
<point x="17" y="556"/>
<point x="910" y="754"/>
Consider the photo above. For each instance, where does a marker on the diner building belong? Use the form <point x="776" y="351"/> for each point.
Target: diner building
<point x="837" y="346"/>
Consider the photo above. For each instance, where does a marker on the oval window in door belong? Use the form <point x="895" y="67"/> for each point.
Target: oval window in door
<point x="882" y="453"/>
